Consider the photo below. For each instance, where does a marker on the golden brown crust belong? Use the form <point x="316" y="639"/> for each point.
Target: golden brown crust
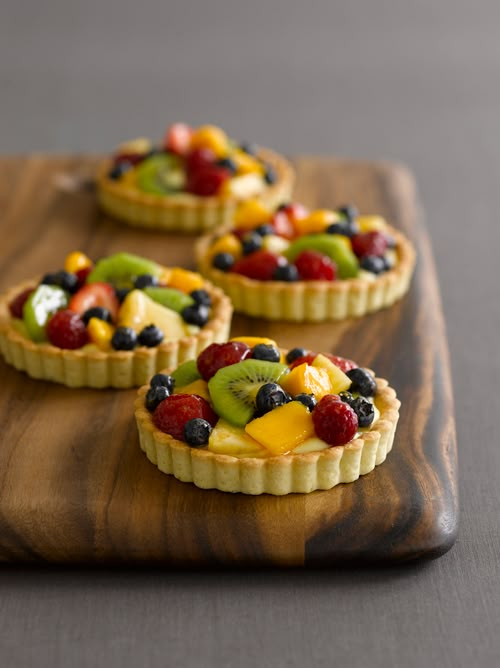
<point x="94" y="368"/>
<point x="188" y="214"/>
<point x="272" y="475"/>
<point x="313" y="301"/>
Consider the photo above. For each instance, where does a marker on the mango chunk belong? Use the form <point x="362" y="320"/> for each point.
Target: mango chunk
<point x="283" y="428"/>
<point x="251" y="213"/>
<point x="199" y="387"/>
<point x="184" y="280"/>
<point x="227" y="243"/>
<point x="338" y="379"/>
<point x="316" y="221"/>
<point x="100" y="333"/>
<point x="371" y="224"/>
<point x="307" y="379"/>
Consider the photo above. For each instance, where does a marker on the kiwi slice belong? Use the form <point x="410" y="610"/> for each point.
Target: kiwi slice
<point x="121" y="269"/>
<point x="332" y="245"/>
<point x="186" y="374"/>
<point x="233" y="388"/>
<point x="161" y="174"/>
<point x="170" y="297"/>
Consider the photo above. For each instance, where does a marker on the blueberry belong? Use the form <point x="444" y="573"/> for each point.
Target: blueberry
<point x="121" y="293"/>
<point x="372" y="263"/>
<point x="63" y="279"/>
<point x="49" y="279"/>
<point x="345" y="228"/>
<point x="145" y="281"/>
<point x="249" y="148"/>
<point x="197" y="432"/>
<point x="348" y="211"/>
<point x="307" y="399"/>
<point x="362" y="381"/>
<point x="251" y="242"/>
<point x="270" y="175"/>
<point x="228" y="164"/>
<point x="150" y="336"/>
<point x="364" y="410"/>
<point x="155" y="395"/>
<point x="286" y="272"/>
<point x="196" y="314"/>
<point x="201" y="297"/>
<point x="223" y="261"/>
<point x="163" y="380"/>
<point x="347" y="398"/>
<point x="388" y="264"/>
<point x="97" y="312"/>
<point x="270" y="396"/>
<point x="124" y="338"/>
<point x="119" y="169"/>
<point x="295" y="353"/>
<point x="266" y="352"/>
<point x="264" y="230"/>
<point x="391" y="241"/>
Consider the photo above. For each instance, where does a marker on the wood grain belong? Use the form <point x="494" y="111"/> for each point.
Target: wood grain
<point x="74" y="485"/>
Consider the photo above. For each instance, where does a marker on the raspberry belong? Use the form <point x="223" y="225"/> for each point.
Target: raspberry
<point x="335" y="422"/>
<point x="67" y="330"/>
<point x="314" y="266"/>
<point x="343" y="364"/>
<point x="260" y="265"/>
<point x="16" y="305"/>
<point x="207" y="181"/>
<point x="218" y="355"/>
<point x="369" y="243"/>
<point x="172" y="413"/>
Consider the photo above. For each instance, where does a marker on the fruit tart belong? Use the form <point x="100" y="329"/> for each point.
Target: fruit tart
<point x="299" y="265"/>
<point x="110" y="324"/>
<point x="246" y="417"/>
<point x="191" y="182"/>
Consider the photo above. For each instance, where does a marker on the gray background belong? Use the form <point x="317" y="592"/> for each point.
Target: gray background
<point x="412" y="81"/>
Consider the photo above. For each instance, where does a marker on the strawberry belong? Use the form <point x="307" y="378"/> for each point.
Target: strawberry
<point x="95" y="294"/>
<point x="282" y="225"/>
<point x="178" y="138"/>
<point x="66" y="329"/>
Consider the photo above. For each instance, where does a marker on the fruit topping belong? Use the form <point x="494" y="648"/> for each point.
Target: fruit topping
<point x="95" y="295"/>
<point x="17" y="304"/>
<point x="251" y="242"/>
<point x="369" y="243"/>
<point x="230" y="440"/>
<point x="76" y="261"/>
<point x="295" y="354"/>
<point x="348" y="211"/>
<point x="155" y="395"/>
<point x="150" y="336"/>
<point x="170" y="297"/>
<point x="218" y="355"/>
<point x="335" y="422"/>
<point x="124" y="338"/>
<point x="161" y="175"/>
<point x="40" y="305"/>
<point x="282" y="429"/>
<point x="266" y="352"/>
<point x="208" y="181"/>
<point x="145" y="281"/>
<point x="197" y="432"/>
<point x="373" y="264"/>
<point x="270" y="396"/>
<point x="314" y="266"/>
<point x="178" y="138"/>
<point x="364" y="410"/>
<point x="260" y="265"/>
<point x="308" y="400"/>
<point x="212" y="137"/>
<point x="307" y="379"/>
<point x="163" y="379"/>
<point x="196" y="314"/>
<point x="223" y="261"/>
<point x="185" y="280"/>
<point x="199" y="387"/>
<point x="100" y="333"/>
<point x="121" y="269"/>
<point x="98" y="312"/>
<point x="66" y="329"/>
<point x="63" y="279"/>
<point x="201" y="297"/>
<point x="315" y="222"/>
<point x="362" y="382"/>
<point x="185" y="374"/>
<point x="199" y="159"/>
<point x="172" y="414"/>
<point x="336" y="247"/>
<point x="138" y="311"/>
<point x="339" y="381"/>
<point x="286" y="272"/>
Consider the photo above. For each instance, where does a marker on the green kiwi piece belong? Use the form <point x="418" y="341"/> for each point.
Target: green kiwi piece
<point x="332" y="246"/>
<point x="161" y="174"/>
<point x="186" y="373"/>
<point x="121" y="269"/>
<point x="170" y="297"/>
<point x="233" y="388"/>
<point x="40" y="305"/>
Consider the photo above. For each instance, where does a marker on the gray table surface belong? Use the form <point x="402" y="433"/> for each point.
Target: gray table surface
<point x="415" y="81"/>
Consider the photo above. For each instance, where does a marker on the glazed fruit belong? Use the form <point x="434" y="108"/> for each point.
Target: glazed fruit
<point x="17" y="304"/>
<point x="282" y="429"/>
<point x="197" y="432"/>
<point x="155" y="395"/>
<point x="150" y="336"/>
<point x="172" y="414"/>
<point x="40" y="305"/>
<point x="122" y="269"/>
<point x="138" y="311"/>
<point x="97" y="312"/>
<point x="362" y="381"/>
<point x="331" y="245"/>
<point x="369" y="243"/>
<point x="185" y="374"/>
<point x="163" y="380"/>
<point x="269" y="396"/>
<point x="124" y="338"/>
<point x="66" y="329"/>
<point x="335" y="422"/>
<point x="219" y="355"/>
<point x="266" y="352"/>
<point x="260" y="265"/>
<point x="95" y="295"/>
<point x="314" y="266"/>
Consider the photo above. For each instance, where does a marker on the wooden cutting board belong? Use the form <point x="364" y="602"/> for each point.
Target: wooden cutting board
<point x="74" y="485"/>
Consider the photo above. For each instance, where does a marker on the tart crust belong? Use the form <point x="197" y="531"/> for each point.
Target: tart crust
<point x="281" y="475"/>
<point x="95" y="368"/>
<point x="185" y="213"/>
<point x="313" y="301"/>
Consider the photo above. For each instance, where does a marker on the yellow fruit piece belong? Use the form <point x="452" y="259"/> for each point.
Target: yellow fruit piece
<point x="275" y="244"/>
<point x="243" y="187"/>
<point x="164" y="276"/>
<point x="139" y="146"/>
<point x="247" y="164"/>
<point x="76" y="261"/>
<point x="250" y="214"/>
<point x="313" y="444"/>
<point x="138" y="311"/>
<point x="227" y="243"/>
<point x="252" y="341"/>
<point x="283" y="428"/>
<point x="371" y="224"/>
<point x="184" y="280"/>
<point x="199" y="387"/>
<point x="338" y="379"/>
<point x="317" y="221"/>
<point x="212" y="137"/>
<point x="100" y="333"/>
<point x="226" y="439"/>
<point x="307" y="379"/>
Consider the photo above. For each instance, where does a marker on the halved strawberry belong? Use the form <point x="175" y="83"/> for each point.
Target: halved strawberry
<point x="95" y="294"/>
<point x="178" y="138"/>
<point x="282" y="225"/>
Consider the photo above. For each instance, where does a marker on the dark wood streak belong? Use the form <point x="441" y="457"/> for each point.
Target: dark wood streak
<point x="75" y="486"/>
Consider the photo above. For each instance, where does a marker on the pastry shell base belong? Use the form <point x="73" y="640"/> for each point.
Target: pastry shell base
<point x="98" y="369"/>
<point x="313" y="301"/>
<point x="185" y="213"/>
<point x="285" y="474"/>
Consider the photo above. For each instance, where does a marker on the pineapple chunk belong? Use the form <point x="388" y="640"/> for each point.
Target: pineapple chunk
<point x="226" y="439"/>
<point x="313" y="444"/>
<point x="199" y="387"/>
<point x="307" y="379"/>
<point x="283" y="428"/>
<point x="371" y="224"/>
<point x="338" y="379"/>
<point x="138" y="311"/>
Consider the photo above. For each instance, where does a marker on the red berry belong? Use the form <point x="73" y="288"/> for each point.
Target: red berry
<point x="82" y="274"/>
<point x="260" y="265"/>
<point x="207" y="181"/>
<point x="295" y="211"/>
<point x="172" y="413"/>
<point x="343" y="363"/>
<point x="369" y="243"/>
<point x="199" y="158"/>
<point x="178" y="138"/>
<point x="306" y="359"/>
<point x="16" y="305"/>
<point x="335" y="422"/>
<point x="218" y="355"/>
<point x="314" y="266"/>
<point x="67" y="330"/>
<point x="95" y="294"/>
<point x="282" y="225"/>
